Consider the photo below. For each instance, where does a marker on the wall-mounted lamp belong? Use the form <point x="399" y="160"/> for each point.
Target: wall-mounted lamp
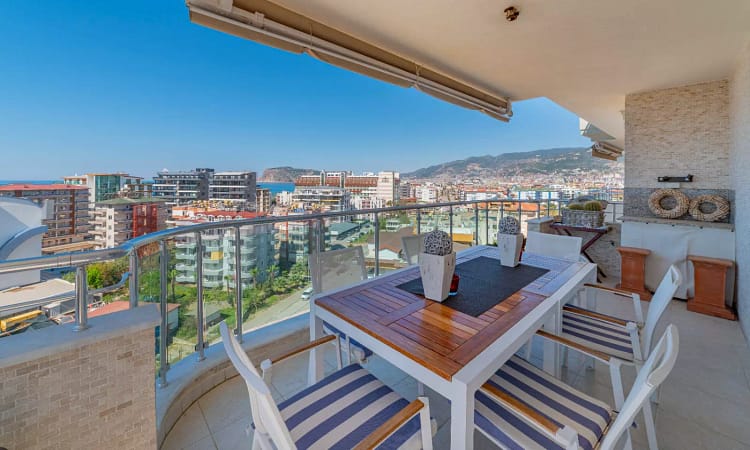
<point x="686" y="179"/>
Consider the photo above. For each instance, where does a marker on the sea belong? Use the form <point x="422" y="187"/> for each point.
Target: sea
<point x="275" y="188"/>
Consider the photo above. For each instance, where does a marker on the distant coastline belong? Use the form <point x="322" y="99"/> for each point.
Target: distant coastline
<point x="5" y="182"/>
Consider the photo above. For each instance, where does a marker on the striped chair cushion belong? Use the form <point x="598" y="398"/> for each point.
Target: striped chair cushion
<point x="546" y="395"/>
<point x="607" y="337"/>
<point x="333" y="330"/>
<point x="342" y="409"/>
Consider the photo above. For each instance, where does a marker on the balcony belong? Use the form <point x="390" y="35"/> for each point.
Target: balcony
<point x="201" y="403"/>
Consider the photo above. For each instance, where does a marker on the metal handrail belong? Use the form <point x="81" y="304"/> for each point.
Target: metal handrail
<point x="74" y="259"/>
<point x="316" y="238"/>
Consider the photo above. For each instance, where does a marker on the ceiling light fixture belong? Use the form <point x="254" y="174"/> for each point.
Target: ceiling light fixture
<point x="511" y="13"/>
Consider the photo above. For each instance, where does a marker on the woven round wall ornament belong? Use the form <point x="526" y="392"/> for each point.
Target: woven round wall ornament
<point x="720" y="211"/>
<point x="680" y="200"/>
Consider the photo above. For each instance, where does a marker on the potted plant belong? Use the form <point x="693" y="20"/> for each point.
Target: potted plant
<point x="436" y="265"/>
<point x="509" y="241"/>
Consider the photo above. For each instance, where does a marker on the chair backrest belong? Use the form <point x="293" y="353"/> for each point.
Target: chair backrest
<point x="563" y="247"/>
<point x="659" y="302"/>
<point x="266" y="416"/>
<point x="336" y="268"/>
<point x="652" y="374"/>
<point x="412" y="246"/>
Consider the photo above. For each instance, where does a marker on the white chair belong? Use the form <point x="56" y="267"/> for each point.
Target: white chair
<point x="412" y="246"/>
<point x="335" y="269"/>
<point x="553" y="245"/>
<point x="347" y="409"/>
<point x="616" y="342"/>
<point x="522" y="406"/>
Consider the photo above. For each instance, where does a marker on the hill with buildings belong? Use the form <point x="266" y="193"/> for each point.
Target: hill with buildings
<point x="285" y="174"/>
<point x="559" y="161"/>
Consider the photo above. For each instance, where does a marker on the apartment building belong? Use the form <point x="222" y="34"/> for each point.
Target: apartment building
<point x="257" y="250"/>
<point x="66" y="213"/>
<point x="297" y="239"/>
<point x="180" y="188"/>
<point x="106" y="186"/>
<point x="233" y="189"/>
<point x="364" y="191"/>
<point x="428" y="193"/>
<point x="263" y="200"/>
<point x="121" y="219"/>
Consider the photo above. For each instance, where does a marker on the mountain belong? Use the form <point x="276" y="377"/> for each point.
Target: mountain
<point x="554" y="161"/>
<point x="285" y="174"/>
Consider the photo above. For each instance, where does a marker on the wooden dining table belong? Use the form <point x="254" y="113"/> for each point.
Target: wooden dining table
<point x="451" y="352"/>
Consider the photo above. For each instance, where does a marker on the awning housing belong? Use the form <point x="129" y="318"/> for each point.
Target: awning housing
<point x="605" y="150"/>
<point x="270" y="24"/>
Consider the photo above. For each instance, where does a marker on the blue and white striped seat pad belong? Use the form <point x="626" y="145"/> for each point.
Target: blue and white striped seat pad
<point x="546" y="395"/>
<point x="333" y="330"/>
<point x="342" y="409"/>
<point x="606" y="337"/>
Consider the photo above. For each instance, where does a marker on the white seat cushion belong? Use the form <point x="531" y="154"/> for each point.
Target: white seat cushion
<point x="606" y="337"/>
<point x="546" y="395"/>
<point x="341" y="410"/>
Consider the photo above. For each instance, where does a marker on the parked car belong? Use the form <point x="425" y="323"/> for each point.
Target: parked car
<point x="307" y="293"/>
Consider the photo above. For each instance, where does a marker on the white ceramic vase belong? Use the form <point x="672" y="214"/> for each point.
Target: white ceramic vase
<point x="510" y="246"/>
<point x="437" y="274"/>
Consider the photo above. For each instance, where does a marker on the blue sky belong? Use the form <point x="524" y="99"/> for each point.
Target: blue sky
<point x="105" y="86"/>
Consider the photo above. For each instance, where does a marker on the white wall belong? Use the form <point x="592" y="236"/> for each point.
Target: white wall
<point x="740" y="162"/>
<point x="17" y="215"/>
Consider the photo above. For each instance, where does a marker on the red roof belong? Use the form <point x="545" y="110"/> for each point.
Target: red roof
<point x="40" y="187"/>
<point x="121" y="305"/>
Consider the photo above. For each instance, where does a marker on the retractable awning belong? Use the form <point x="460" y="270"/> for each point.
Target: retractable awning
<point x="605" y="150"/>
<point x="270" y="24"/>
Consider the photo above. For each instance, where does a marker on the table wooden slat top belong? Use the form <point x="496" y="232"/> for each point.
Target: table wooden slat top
<point x="436" y="336"/>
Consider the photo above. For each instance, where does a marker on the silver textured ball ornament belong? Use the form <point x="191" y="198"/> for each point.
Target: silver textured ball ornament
<point x="438" y="243"/>
<point x="509" y="225"/>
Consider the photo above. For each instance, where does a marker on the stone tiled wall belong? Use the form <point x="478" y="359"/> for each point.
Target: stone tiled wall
<point x="740" y="162"/>
<point x="99" y="395"/>
<point x="675" y="132"/>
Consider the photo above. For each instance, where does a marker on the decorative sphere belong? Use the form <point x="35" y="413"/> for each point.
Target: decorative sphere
<point x="509" y="225"/>
<point x="438" y="243"/>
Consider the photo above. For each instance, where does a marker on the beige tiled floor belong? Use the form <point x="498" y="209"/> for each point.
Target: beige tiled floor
<point x="705" y="403"/>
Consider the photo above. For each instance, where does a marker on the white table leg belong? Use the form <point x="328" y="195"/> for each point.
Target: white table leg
<point x="462" y="418"/>
<point x="316" y="365"/>
<point x="551" y="363"/>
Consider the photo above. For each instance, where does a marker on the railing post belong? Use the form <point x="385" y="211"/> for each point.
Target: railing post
<point x="519" y="211"/>
<point x="377" y="245"/>
<point x="538" y="210"/>
<point x="487" y="223"/>
<point x="164" y="326"/>
<point x="419" y="221"/>
<point x="321" y="241"/>
<point x="82" y="294"/>
<point x="476" y="224"/>
<point x="238" y="282"/>
<point x="450" y="221"/>
<point x="200" y="345"/>
<point x="133" y="268"/>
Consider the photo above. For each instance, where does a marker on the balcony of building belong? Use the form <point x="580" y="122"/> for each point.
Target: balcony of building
<point x="675" y="100"/>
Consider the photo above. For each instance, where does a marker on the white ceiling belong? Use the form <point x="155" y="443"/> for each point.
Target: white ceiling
<point x="585" y="55"/>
